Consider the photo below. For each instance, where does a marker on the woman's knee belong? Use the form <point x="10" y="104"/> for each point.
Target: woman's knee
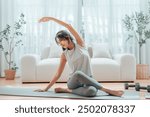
<point x="91" y="91"/>
<point x="78" y="74"/>
<point x="70" y="86"/>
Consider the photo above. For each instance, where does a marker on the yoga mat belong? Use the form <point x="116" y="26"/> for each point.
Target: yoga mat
<point x="147" y="95"/>
<point x="29" y="92"/>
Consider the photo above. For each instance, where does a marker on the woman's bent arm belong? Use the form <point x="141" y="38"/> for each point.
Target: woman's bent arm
<point x="57" y="75"/>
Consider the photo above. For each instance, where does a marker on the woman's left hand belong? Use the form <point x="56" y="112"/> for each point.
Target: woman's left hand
<point x="40" y="90"/>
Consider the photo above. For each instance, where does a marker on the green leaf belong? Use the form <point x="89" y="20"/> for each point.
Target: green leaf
<point x="147" y="34"/>
<point x="6" y="53"/>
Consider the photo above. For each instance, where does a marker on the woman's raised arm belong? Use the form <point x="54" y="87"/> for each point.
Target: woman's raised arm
<point x="79" y="40"/>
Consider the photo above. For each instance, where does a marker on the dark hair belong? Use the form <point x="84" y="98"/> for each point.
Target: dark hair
<point x="63" y="35"/>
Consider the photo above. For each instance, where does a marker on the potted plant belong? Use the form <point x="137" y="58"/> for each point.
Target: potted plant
<point x="137" y="26"/>
<point x="8" y="42"/>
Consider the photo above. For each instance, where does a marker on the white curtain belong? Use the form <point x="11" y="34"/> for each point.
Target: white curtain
<point x="97" y="21"/>
<point x="102" y="22"/>
<point x="6" y="17"/>
<point x="37" y="36"/>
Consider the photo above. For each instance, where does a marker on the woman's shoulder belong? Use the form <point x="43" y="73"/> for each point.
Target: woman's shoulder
<point x="81" y="47"/>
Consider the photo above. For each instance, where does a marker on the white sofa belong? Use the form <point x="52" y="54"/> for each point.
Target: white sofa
<point x="106" y="67"/>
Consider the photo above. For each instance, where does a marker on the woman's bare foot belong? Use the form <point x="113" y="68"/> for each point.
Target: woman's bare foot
<point x="62" y="90"/>
<point x="116" y="93"/>
<point x="113" y="92"/>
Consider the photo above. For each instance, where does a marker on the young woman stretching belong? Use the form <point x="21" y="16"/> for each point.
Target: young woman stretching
<point x="80" y="80"/>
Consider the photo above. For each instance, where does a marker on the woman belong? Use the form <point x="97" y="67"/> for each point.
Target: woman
<point x="80" y="81"/>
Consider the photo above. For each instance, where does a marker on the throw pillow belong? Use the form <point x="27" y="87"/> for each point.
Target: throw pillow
<point x="101" y="50"/>
<point x="55" y="51"/>
<point x="45" y="53"/>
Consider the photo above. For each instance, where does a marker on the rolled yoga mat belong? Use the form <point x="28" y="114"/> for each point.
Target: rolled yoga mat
<point x="29" y="92"/>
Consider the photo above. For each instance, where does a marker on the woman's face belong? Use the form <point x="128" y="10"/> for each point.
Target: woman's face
<point x="63" y="43"/>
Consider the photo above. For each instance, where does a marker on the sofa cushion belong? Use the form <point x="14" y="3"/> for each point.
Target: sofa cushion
<point x="47" y="68"/>
<point x="55" y="51"/>
<point x="49" y="61"/>
<point x="101" y="50"/>
<point x="104" y="61"/>
<point x="105" y="69"/>
<point x="45" y="52"/>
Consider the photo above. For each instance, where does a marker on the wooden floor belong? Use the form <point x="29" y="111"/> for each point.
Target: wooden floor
<point x="17" y="82"/>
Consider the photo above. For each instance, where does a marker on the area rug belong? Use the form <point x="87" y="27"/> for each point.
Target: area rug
<point x="29" y="92"/>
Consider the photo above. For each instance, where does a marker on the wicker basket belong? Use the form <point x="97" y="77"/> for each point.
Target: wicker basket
<point x="142" y="71"/>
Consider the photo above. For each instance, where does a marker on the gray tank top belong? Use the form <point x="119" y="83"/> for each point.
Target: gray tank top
<point x="78" y="60"/>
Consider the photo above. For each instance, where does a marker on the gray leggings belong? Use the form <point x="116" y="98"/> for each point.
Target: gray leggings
<point x="83" y="85"/>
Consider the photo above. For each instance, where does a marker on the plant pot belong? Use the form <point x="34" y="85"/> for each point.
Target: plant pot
<point x="10" y="74"/>
<point x="142" y="71"/>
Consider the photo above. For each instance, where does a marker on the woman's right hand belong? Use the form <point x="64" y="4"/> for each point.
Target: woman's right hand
<point x="44" y="19"/>
<point x="40" y="90"/>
